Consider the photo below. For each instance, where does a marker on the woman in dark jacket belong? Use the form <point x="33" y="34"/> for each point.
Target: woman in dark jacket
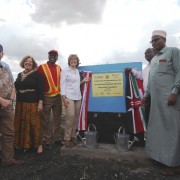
<point x="29" y="102"/>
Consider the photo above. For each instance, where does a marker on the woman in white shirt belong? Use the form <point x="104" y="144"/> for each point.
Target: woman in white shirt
<point x="71" y="95"/>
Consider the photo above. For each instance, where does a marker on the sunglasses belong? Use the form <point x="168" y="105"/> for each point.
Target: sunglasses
<point x="155" y="40"/>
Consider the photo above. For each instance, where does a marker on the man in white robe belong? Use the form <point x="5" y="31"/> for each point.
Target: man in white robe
<point x="163" y="132"/>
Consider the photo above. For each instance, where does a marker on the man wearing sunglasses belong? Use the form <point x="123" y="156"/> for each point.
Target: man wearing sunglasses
<point x="163" y="133"/>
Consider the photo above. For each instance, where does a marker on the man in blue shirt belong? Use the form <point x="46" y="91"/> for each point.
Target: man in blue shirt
<point x="7" y="93"/>
<point x="5" y="65"/>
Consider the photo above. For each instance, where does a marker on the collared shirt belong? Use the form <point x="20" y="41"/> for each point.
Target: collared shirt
<point x="6" y="83"/>
<point x="70" y="84"/>
<point x="5" y="65"/>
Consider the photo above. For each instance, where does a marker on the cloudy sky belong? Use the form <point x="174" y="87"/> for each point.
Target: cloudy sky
<point x="99" y="31"/>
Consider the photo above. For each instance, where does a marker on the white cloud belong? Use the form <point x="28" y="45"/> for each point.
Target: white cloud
<point x="70" y="12"/>
<point x="99" y="31"/>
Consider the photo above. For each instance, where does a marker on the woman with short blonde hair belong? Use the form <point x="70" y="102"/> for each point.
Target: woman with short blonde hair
<point x="71" y="95"/>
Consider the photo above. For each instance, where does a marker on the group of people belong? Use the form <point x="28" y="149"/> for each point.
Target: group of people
<point x="38" y="91"/>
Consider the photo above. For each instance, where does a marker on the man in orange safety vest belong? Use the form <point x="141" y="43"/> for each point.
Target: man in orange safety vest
<point x="52" y="103"/>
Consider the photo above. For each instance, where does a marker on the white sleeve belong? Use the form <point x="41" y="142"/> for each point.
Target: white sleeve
<point x="63" y="82"/>
<point x="138" y="74"/>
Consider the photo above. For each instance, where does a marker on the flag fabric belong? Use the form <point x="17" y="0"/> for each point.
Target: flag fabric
<point x="85" y="89"/>
<point x="135" y="112"/>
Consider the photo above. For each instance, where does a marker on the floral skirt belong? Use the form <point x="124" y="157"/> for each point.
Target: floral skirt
<point x="27" y="126"/>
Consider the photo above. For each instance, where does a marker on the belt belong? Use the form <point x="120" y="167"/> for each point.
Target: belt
<point x="26" y="90"/>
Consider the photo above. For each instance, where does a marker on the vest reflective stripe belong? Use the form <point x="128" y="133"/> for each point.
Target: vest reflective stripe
<point x="53" y="89"/>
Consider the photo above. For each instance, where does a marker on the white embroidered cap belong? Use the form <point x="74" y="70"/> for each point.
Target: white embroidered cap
<point x="159" y="33"/>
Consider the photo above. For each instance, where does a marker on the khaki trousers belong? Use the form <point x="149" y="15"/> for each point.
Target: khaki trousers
<point x="72" y="115"/>
<point x="51" y="118"/>
<point x="7" y="132"/>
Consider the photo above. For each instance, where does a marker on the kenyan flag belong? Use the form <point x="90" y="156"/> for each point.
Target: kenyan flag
<point x="135" y="112"/>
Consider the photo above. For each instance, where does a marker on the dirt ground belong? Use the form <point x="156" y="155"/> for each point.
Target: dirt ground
<point x="82" y="164"/>
<point x="52" y="164"/>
